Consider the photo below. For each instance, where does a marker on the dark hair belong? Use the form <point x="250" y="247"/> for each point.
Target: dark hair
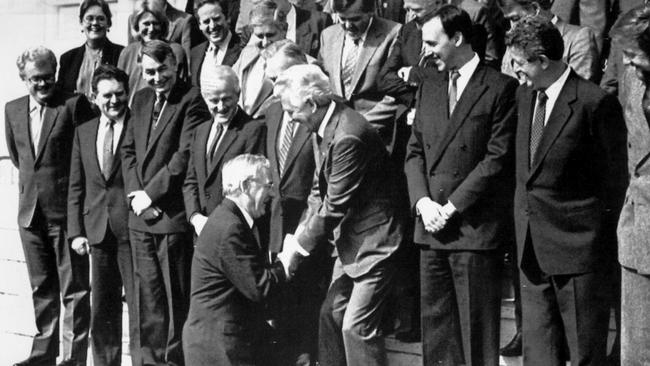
<point x="367" y="6"/>
<point x="87" y="4"/>
<point x="632" y="30"/>
<point x="455" y="19"/>
<point x="159" y="15"/>
<point x="107" y="72"/>
<point x="536" y="36"/>
<point x="157" y="50"/>
<point x="199" y="3"/>
<point x="543" y="4"/>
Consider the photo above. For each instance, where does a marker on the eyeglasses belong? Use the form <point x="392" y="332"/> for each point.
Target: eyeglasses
<point x="45" y="79"/>
<point x="263" y="184"/>
<point x="89" y="19"/>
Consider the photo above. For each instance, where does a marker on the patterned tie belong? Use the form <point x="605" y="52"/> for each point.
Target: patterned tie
<point x="215" y="142"/>
<point x="285" y="143"/>
<point x="453" y="77"/>
<point x="107" y="161"/>
<point x="537" y="127"/>
<point x="157" y="108"/>
<point x="349" y="64"/>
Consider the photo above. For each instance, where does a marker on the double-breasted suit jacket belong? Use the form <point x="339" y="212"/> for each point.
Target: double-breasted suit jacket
<point x="156" y="161"/>
<point x="569" y="200"/>
<point x="467" y="159"/>
<point x="94" y="202"/>
<point x="363" y="95"/>
<point x="358" y="209"/>
<point x="293" y="185"/>
<point x="203" y="189"/>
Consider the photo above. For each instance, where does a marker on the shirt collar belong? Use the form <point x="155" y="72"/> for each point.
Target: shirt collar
<point x="364" y="35"/>
<point x="554" y="89"/>
<point x="247" y="216"/>
<point x="555" y="19"/>
<point x="469" y="67"/>
<point x="33" y="103"/>
<point x="103" y="120"/>
<point x="326" y="119"/>
<point x="222" y="45"/>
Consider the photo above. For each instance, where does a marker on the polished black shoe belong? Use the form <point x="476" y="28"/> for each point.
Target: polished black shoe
<point x="512" y="349"/>
<point x="68" y="362"/>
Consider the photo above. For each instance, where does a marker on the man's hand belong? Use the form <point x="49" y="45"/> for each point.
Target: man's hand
<point x="432" y="215"/>
<point x="140" y="201"/>
<point x="198" y="221"/>
<point x="404" y="73"/>
<point x="80" y="245"/>
<point x="291" y="254"/>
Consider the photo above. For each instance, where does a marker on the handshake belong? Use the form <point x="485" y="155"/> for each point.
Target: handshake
<point x="291" y="255"/>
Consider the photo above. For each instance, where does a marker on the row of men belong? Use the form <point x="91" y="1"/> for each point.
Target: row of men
<point x="470" y="220"/>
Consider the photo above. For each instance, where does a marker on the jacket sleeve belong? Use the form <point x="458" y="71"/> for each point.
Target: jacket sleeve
<point x="415" y="166"/>
<point x="11" y="144"/>
<point x="76" y="192"/>
<point x="130" y="161"/>
<point x="387" y="80"/>
<point x="191" y="188"/>
<point x="583" y="55"/>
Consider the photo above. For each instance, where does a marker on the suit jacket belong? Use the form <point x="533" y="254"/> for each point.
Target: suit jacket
<point x="95" y="203"/>
<point x="197" y="55"/>
<point x="202" y="189"/>
<point x="293" y="185"/>
<point x="568" y="202"/>
<point x="42" y="176"/>
<point x="358" y="209"/>
<point x="466" y="159"/>
<point x="183" y="29"/>
<point x="231" y="278"/>
<point x="489" y="30"/>
<point x="633" y="226"/>
<point x="159" y="167"/>
<point x="242" y="68"/>
<point x="364" y="96"/>
<point x="580" y="51"/>
<point x="309" y="25"/>
<point x="587" y="13"/>
<point x="70" y="63"/>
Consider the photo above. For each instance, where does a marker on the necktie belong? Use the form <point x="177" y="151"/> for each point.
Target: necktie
<point x="215" y="142"/>
<point x="157" y="108"/>
<point x="537" y="127"/>
<point x="36" y="124"/>
<point x="349" y="64"/>
<point x="453" y="77"/>
<point x="285" y="143"/>
<point x="107" y="160"/>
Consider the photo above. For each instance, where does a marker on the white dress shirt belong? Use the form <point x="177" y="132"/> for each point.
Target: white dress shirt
<point x="214" y="56"/>
<point x="291" y="21"/>
<point x="35" y="121"/>
<point x="465" y="73"/>
<point x="553" y="92"/>
<point x="101" y="134"/>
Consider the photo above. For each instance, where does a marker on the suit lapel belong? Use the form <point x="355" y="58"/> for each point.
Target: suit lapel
<point x="374" y="36"/>
<point x="168" y="111"/>
<point x="525" y="108"/>
<point x="560" y="114"/>
<point x="336" y="60"/>
<point x="299" y="139"/>
<point x="49" y="117"/>
<point x="471" y="94"/>
<point x="273" y="123"/>
<point x="264" y="92"/>
<point x="116" y="154"/>
<point x="88" y="134"/>
<point x="22" y="125"/>
<point x="200" y="53"/>
<point x="228" y="138"/>
<point x="201" y="163"/>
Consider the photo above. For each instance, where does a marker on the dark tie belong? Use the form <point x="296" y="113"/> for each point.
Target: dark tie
<point x="157" y="107"/>
<point x="537" y="127"/>
<point x="215" y="142"/>
<point x="453" y="77"/>
<point x="285" y="144"/>
<point x="107" y="161"/>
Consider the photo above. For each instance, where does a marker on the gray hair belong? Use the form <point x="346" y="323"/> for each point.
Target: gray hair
<point x="38" y="55"/>
<point x="266" y="12"/>
<point x="240" y="169"/>
<point x="288" y="49"/>
<point x="304" y="82"/>
<point x="225" y="73"/>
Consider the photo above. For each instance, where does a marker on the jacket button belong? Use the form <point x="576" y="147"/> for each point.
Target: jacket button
<point x="207" y="195"/>
<point x="428" y="146"/>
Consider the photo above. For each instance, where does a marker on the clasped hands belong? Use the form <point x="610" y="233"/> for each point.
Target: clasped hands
<point x="141" y="205"/>
<point x="292" y="253"/>
<point x="434" y="215"/>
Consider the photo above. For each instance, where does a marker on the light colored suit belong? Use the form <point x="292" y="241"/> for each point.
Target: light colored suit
<point x="249" y="55"/>
<point x="363" y="95"/>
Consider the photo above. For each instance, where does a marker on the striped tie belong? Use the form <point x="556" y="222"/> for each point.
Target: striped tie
<point x="537" y="127"/>
<point x="107" y="161"/>
<point x="285" y="144"/>
<point x="349" y="64"/>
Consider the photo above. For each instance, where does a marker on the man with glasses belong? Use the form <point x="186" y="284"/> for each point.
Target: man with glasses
<point x="39" y="131"/>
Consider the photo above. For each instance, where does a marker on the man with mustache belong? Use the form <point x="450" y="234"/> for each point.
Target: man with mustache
<point x="222" y="46"/>
<point x="229" y="133"/>
<point x="98" y="216"/>
<point x="155" y="153"/>
<point x="39" y="130"/>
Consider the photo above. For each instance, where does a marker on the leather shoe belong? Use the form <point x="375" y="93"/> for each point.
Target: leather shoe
<point x="512" y="349"/>
<point x="29" y="362"/>
<point x="68" y="362"/>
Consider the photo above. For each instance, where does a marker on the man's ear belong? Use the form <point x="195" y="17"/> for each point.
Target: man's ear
<point x="458" y="39"/>
<point x="313" y="104"/>
<point x="544" y="61"/>
<point x="92" y="98"/>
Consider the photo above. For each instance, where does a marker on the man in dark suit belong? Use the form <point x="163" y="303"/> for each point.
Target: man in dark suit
<point x="571" y="174"/>
<point x="230" y="132"/>
<point x="183" y="28"/>
<point x="357" y="214"/>
<point x="155" y="153"/>
<point x="39" y="128"/>
<point x="459" y="167"/>
<point x="303" y="26"/>
<point x="98" y="216"/>
<point x="222" y="46"/>
<point x="232" y="275"/>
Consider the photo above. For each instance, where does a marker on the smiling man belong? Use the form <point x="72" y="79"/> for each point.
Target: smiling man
<point x="229" y="133"/>
<point x="459" y="171"/>
<point x="98" y="216"/>
<point x="39" y="130"/>
<point x="222" y="46"/>
<point x="155" y="153"/>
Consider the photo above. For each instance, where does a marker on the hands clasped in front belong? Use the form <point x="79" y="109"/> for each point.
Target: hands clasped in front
<point x="291" y="255"/>
<point x="434" y="215"/>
